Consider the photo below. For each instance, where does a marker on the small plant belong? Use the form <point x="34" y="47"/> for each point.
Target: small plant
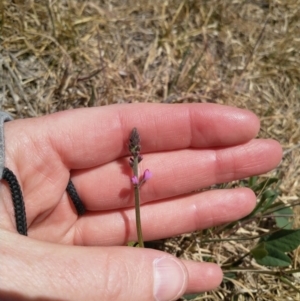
<point x="272" y="246"/>
<point x="135" y="148"/>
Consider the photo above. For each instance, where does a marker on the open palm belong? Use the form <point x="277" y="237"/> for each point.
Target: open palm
<point x="186" y="147"/>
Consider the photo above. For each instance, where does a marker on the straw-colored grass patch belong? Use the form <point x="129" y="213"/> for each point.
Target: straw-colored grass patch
<point x="57" y="55"/>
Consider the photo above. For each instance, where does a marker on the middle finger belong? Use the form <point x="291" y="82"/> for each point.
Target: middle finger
<point x="174" y="173"/>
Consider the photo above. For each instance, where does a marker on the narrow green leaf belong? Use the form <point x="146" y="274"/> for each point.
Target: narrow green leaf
<point x="191" y="296"/>
<point x="264" y="184"/>
<point x="271" y="196"/>
<point x="266" y="200"/>
<point x="289" y="283"/>
<point x="252" y="181"/>
<point x="229" y="275"/>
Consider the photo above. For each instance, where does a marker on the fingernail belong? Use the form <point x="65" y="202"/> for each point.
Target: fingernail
<point x="169" y="279"/>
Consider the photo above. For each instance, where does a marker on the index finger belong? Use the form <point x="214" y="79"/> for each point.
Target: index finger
<point x="89" y="137"/>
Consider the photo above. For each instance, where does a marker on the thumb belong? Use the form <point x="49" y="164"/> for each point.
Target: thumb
<point x="35" y="269"/>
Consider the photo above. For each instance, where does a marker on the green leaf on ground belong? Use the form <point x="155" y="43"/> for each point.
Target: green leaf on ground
<point x="284" y="240"/>
<point x="271" y="249"/>
<point x="274" y="258"/>
<point x="259" y="251"/>
<point x="283" y="218"/>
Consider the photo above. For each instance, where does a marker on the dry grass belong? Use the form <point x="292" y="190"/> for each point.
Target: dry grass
<point x="57" y="55"/>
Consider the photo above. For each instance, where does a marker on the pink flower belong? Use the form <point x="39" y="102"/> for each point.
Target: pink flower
<point x="147" y="175"/>
<point x="134" y="180"/>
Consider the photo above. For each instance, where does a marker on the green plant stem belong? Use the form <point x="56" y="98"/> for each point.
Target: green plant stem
<point x="235" y="263"/>
<point x="267" y="272"/>
<point x="137" y="205"/>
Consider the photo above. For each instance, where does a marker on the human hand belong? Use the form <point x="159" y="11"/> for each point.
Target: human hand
<point x="186" y="147"/>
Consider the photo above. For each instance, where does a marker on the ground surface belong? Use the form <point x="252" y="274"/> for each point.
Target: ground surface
<point x="57" y="55"/>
